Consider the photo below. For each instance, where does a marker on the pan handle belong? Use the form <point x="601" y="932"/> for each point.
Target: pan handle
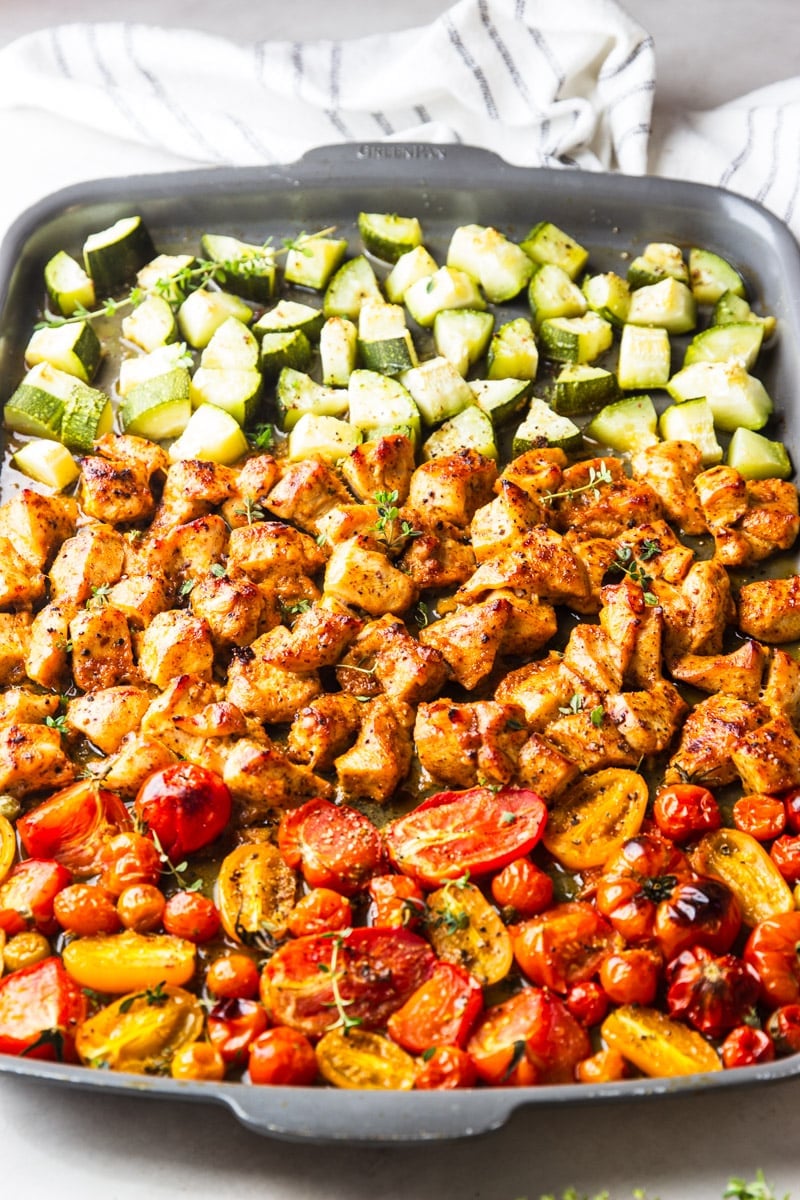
<point x="396" y="155"/>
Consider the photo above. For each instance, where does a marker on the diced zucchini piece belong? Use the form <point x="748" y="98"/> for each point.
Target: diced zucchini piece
<point x="711" y="276"/>
<point x="692" y="422"/>
<point x="410" y="268"/>
<point x="757" y="457"/>
<point x="158" y="408"/>
<point x="384" y="342"/>
<point x="669" y="304"/>
<point x="232" y="345"/>
<point x="312" y="261"/>
<point x="247" y="270"/>
<point x="164" y="276"/>
<point x="626" y="425"/>
<point x="297" y="393"/>
<point x="575" y="339"/>
<point x="543" y="427"/>
<point x="68" y="285"/>
<point x="380" y="402"/>
<point x="88" y="415"/>
<point x="546" y="243"/>
<point x="437" y="389"/>
<point x="446" y="288"/>
<point x="323" y="437"/>
<point x="47" y="462"/>
<point x="608" y="295"/>
<point x="152" y="323"/>
<point x="389" y="236"/>
<point x="731" y="309"/>
<point x="288" y="315"/>
<point x="500" y="399"/>
<point x="726" y="343"/>
<point x="203" y="311"/>
<point x="236" y="389"/>
<point x="73" y="347"/>
<point x="551" y="293"/>
<point x="290" y="348"/>
<point x="513" y="353"/>
<point x="36" y="408"/>
<point x="113" y="255"/>
<point x="338" y="351"/>
<point x="581" y="388"/>
<point x="461" y="335"/>
<point x="736" y="398"/>
<point x="658" y="260"/>
<point x="644" y="357"/>
<point x="136" y="370"/>
<point x="354" y="282"/>
<point x="211" y="435"/>
<point x="470" y="429"/>
<point x="501" y="267"/>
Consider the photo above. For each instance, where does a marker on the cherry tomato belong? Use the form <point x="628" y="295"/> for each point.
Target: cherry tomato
<point x="631" y="976"/>
<point x="589" y="822"/>
<point x="606" y="1066"/>
<point x="141" y="907"/>
<point x="522" y="888"/>
<point x="320" y="911"/>
<point x="533" y="1026"/>
<point x="445" y="1068"/>
<point x="396" y="902"/>
<point x="283" y="1057"/>
<point x="744" y="866"/>
<point x="701" y="912"/>
<point x="772" y="949"/>
<point x="785" y="853"/>
<point x="783" y="1026"/>
<point x="8" y="846"/>
<point x="587" y="1002"/>
<point x="233" y="1025"/>
<point x="73" y="827"/>
<point x="141" y="1032"/>
<point x="465" y="929"/>
<point x="441" y="1012"/>
<point x="685" y="810"/>
<point x="198" y="1060"/>
<point x="745" y="1046"/>
<point x="255" y="892"/>
<point x="763" y="817"/>
<point x="564" y="946"/>
<point x="657" y="1044"/>
<point x="233" y="977"/>
<point x="645" y="871"/>
<point x="129" y="962"/>
<point x="23" y="950"/>
<point x="454" y="832"/>
<point x="333" y="845"/>
<point x="713" y="994"/>
<point x="84" y="909"/>
<point x="791" y="803"/>
<point x="40" y="1011"/>
<point x="185" y="806"/>
<point x="28" y="894"/>
<point x="359" y="1058"/>
<point x="191" y="915"/>
<point x="367" y="973"/>
<point x="129" y="858"/>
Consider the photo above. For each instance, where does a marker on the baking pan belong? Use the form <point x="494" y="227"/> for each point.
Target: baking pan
<point x="614" y="216"/>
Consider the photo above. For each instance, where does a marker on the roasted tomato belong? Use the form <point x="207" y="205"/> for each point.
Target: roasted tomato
<point x="396" y="902"/>
<point x="127" y="859"/>
<point x="255" y="892"/>
<point x="141" y="1032"/>
<point x="8" y="846"/>
<point x="192" y="916"/>
<point x="141" y="907"/>
<point x="84" y="909"/>
<point x="783" y="1026"/>
<point x="40" y="1011"/>
<point x="365" y="975"/>
<point x="198" y="1061"/>
<point x="657" y="1044"/>
<point x="587" y="1002"/>
<point x="744" y="866"/>
<point x="24" y="949"/>
<point x="565" y="945"/>
<point x="445" y="1068"/>
<point x="791" y="803"/>
<point x="333" y="845"/>
<point x="73" y="827"/>
<point x="232" y="976"/>
<point x="522" y="889"/>
<point x="685" y="810"/>
<point x="772" y="949"/>
<point x="589" y="823"/>
<point x="185" y="806"/>
<point x="532" y="1027"/>
<point x="282" y="1057"/>
<point x="785" y="853"/>
<point x="699" y="912"/>
<point x="712" y="993"/>
<point x="233" y="1025"/>
<point x="465" y="929"/>
<point x="745" y="1046"/>
<point x="631" y="976"/>
<point x="606" y="1066"/>
<point x="320" y="911"/>
<point x="441" y="1012"/>
<point x="476" y="831"/>
<point x="28" y="894"/>
<point x="763" y="817"/>
<point x="129" y="962"/>
<point x="644" y="872"/>
<point x="359" y="1058"/>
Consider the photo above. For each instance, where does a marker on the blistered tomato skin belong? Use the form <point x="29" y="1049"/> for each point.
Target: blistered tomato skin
<point x="522" y="889"/>
<point x="644" y="872"/>
<point x="282" y="1057"/>
<point x="785" y="853"/>
<point x="713" y="994"/>
<point x="127" y="859"/>
<point x="684" y="811"/>
<point x="192" y="916"/>
<point x="702" y="912"/>
<point x="233" y="1025"/>
<point x="320" y="911"/>
<point x="535" y="1028"/>
<point x="41" y="1009"/>
<point x="783" y="1026"/>
<point x="84" y="909"/>
<point x="396" y="902"/>
<point x="772" y="950"/>
<point x="745" y="1047"/>
<point x="441" y="1012"/>
<point x="587" y="1002"/>
<point x="445" y="1068"/>
<point x="73" y="827"/>
<point x="564" y="946"/>
<point x="631" y="976"/>
<point x="198" y="1061"/>
<point x="333" y="845"/>
<point x="28" y="895"/>
<point x="763" y="817"/>
<point x="185" y="806"/>
<point x="232" y="976"/>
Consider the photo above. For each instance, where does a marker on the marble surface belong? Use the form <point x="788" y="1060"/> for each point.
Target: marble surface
<point x="71" y="1144"/>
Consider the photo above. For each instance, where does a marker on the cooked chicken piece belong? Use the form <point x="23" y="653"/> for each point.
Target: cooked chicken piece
<point x="441" y="557"/>
<point x="21" y="585"/>
<point x="541" y="689"/>
<point x="141" y="596"/>
<point x="218" y="719"/>
<point x="538" y="473"/>
<point x="771" y="522"/>
<point x="191" y="718"/>
<point x="505" y="520"/>
<point x="138" y="757"/>
<point x="671" y="468"/>
<point x="254" y="482"/>
<point x="697" y="613"/>
<point x="347" y="521"/>
<point x="596" y="556"/>
<point x="386" y="658"/>
<point x="324" y="729"/>
<point x="191" y="490"/>
<point x="115" y="490"/>
<point x="175" y="643"/>
<point x="264" y="690"/>
<point x="47" y="657"/>
<point x="647" y="720"/>
<point x="380" y="758"/>
<point x="597" y="660"/>
<point x="37" y="525"/>
<point x="452" y="487"/>
<point x="531" y="623"/>
<point x="190" y="551"/>
<point x="461" y="745"/>
<point x="15" y="640"/>
<point x="653" y="552"/>
<point x="710" y="734"/>
<point x="543" y="768"/>
<point x="636" y="628"/>
<point x="469" y="639"/>
<point x="184" y="696"/>
<point x="102" y="655"/>
<point x="269" y="549"/>
<point x="261" y="778"/>
<point x="18" y="706"/>
<point x="769" y="609"/>
<point x="768" y="758"/>
<point x="589" y="738"/>
<point x="140" y="450"/>
<point x="32" y="760"/>
<point x="318" y="638"/>
<point x="305" y="492"/>
<point x="362" y="576"/>
<point x="235" y="609"/>
<point x="384" y="465"/>
<point x="542" y="564"/>
<point x="92" y="559"/>
<point x="782" y="689"/>
<point x="737" y="674"/>
<point x="750" y="519"/>
<point x="105" y="716"/>
<point x="603" y="507"/>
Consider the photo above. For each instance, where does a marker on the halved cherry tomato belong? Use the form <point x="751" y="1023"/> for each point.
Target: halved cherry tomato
<point x="712" y="993"/>
<point x="365" y="973"/>
<point x="685" y="810"/>
<point x="454" y="832"/>
<point x="744" y="866"/>
<point x="320" y="911"/>
<point x="191" y="915"/>
<point x="441" y="1012"/>
<point x="445" y="1068"/>
<point x="233" y="1025"/>
<point x="255" y="892"/>
<point x="745" y="1046"/>
<point x="772" y="949"/>
<point x="73" y="826"/>
<point x="233" y="977"/>
<point x="282" y="1057"/>
<point x="186" y="806"/>
<point x="522" y="888"/>
<point x="591" y="820"/>
<point x="701" y="912"/>
<point x="606" y="1066"/>
<point x="587" y="1002"/>
<point x="642" y="873"/>
<point x="657" y="1044"/>
<point x="28" y="894"/>
<point x="783" y="1026"/>
<point x="565" y="945"/>
<point x="40" y="1011"/>
<point x="396" y="902"/>
<point x="763" y="817"/>
<point x="198" y="1060"/>
<point x="359" y="1058"/>
<point x="127" y="859"/>
<point x="8" y="846"/>
<point x="333" y="845"/>
<point x="632" y="975"/>
<point x="129" y="962"/>
<point x="84" y="909"/>
<point x="535" y="1027"/>
<point x="142" y="1031"/>
<point x="141" y="907"/>
<point x="465" y="929"/>
<point x="785" y="853"/>
<point x="23" y="950"/>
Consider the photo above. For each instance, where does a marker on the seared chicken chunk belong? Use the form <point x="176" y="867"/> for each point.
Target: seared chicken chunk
<point x="305" y="492"/>
<point x="531" y="623"/>
<point x="782" y="688"/>
<point x="191" y="490"/>
<point x="360" y="575"/>
<point x="710" y="735"/>
<point x="234" y="608"/>
<point x="462" y="745"/>
<point x="737" y="674"/>
<point x="504" y="520"/>
<point x="538" y="473"/>
<point x="540" y="689"/>
<point x="767" y="759"/>
<point x="141" y="596"/>
<point x="190" y="551"/>
<point x="698" y="611"/>
<point x="452" y="487"/>
<point x="32" y="759"/>
<point x="115" y="490"/>
<point x="261" y="778"/>
<point x="175" y="643"/>
<point x="542" y="564"/>
<point x="324" y="729"/>
<point x="380" y="758"/>
<point x="647" y="720"/>
<point x="318" y="638"/>
<point x="47" y="656"/>
<point x="127" y="448"/>
<point x="254" y="482"/>
<point x="469" y="639"/>
<point x="37" y="525"/>
<point x="15" y="640"/>
<point x="22" y="586"/>
<point x="750" y="519"/>
<point x="386" y="658"/>
<point x="603" y="506"/>
<point x="589" y="738"/>
<point x="261" y="688"/>
<point x="595" y="658"/>
<point x="441" y="557"/>
<point x="138" y="756"/>
<point x="268" y="550"/>
<point x="543" y="768"/>
<point x="106" y="715"/>
<point x="384" y="465"/>
<point x="671" y="468"/>
<point x="18" y="706"/>
<point x="635" y="627"/>
<point x="93" y="558"/>
<point x="101" y="647"/>
<point x="769" y="609"/>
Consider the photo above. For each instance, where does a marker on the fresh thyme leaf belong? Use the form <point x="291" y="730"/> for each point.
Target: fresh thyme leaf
<point x="596" y="477"/>
<point x="262" y="437"/>
<point x="251" y="510"/>
<point x="422" y="614"/>
<point x="597" y="715"/>
<point x="575" y="705"/>
<point x="186" y="588"/>
<point x="218" y="571"/>
<point x="58" y="722"/>
<point x="508" y="818"/>
<point x="394" y="532"/>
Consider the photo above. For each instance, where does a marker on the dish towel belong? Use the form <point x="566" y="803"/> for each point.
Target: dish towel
<point x="540" y="82"/>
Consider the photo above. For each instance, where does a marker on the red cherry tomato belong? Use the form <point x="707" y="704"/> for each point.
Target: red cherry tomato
<point x="454" y="832"/>
<point x="233" y="976"/>
<point x="396" y="902"/>
<point x="28" y="893"/>
<point x="73" y="827"/>
<point x="282" y="1057"/>
<point x="783" y="1026"/>
<point x="320" y="911"/>
<point x="445" y="1068"/>
<point x="85" y="909"/>
<point x="587" y="1002"/>
<point x="785" y="853"/>
<point x="644" y="871"/>
<point x="533" y="1026"/>
<point x="684" y="811"/>
<point x="631" y="976"/>
<point x="745" y="1046"/>
<point x="791" y="803"/>
<point x="233" y="1025"/>
<point x="192" y="916"/>
<point x="40" y="1011"/>
<point x="141" y="907"/>
<point x="700" y="912"/>
<point x="713" y="994"/>
<point x="763" y="817"/>
<point x="185" y="807"/>
<point x="129" y="858"/>
<point x="523" y="888"/>
<point x="564" y="945"/>
<point x="772" y="950"/>
<point x="333" y="845"/>
<point x="441" y="1012"/>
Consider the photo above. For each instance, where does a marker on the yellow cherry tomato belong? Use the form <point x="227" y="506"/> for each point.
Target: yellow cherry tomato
<point x="744" y="866"/>
<point x="25" y="949"/>
<point x="591" y="821"/>
<point x="656" y="1044"/>
<point x="198" y="1060"/>
<point x="129" y="961"/>
<point x="465" y="929"/>
<point x="358" y="1058"/>
<point x="141" y="1032"/>
<point x="255" y="891"/>
<point x="8" y="846"/>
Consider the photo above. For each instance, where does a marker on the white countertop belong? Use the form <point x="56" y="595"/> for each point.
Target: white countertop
<point x="70" y="1144"/>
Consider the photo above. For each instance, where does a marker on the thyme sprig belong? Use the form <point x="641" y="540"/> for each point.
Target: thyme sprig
<point x="390" y="528"/>
<point x="597" y="475"/>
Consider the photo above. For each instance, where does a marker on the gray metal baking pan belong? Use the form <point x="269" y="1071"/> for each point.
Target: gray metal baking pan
<point x="614" y="216"/>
